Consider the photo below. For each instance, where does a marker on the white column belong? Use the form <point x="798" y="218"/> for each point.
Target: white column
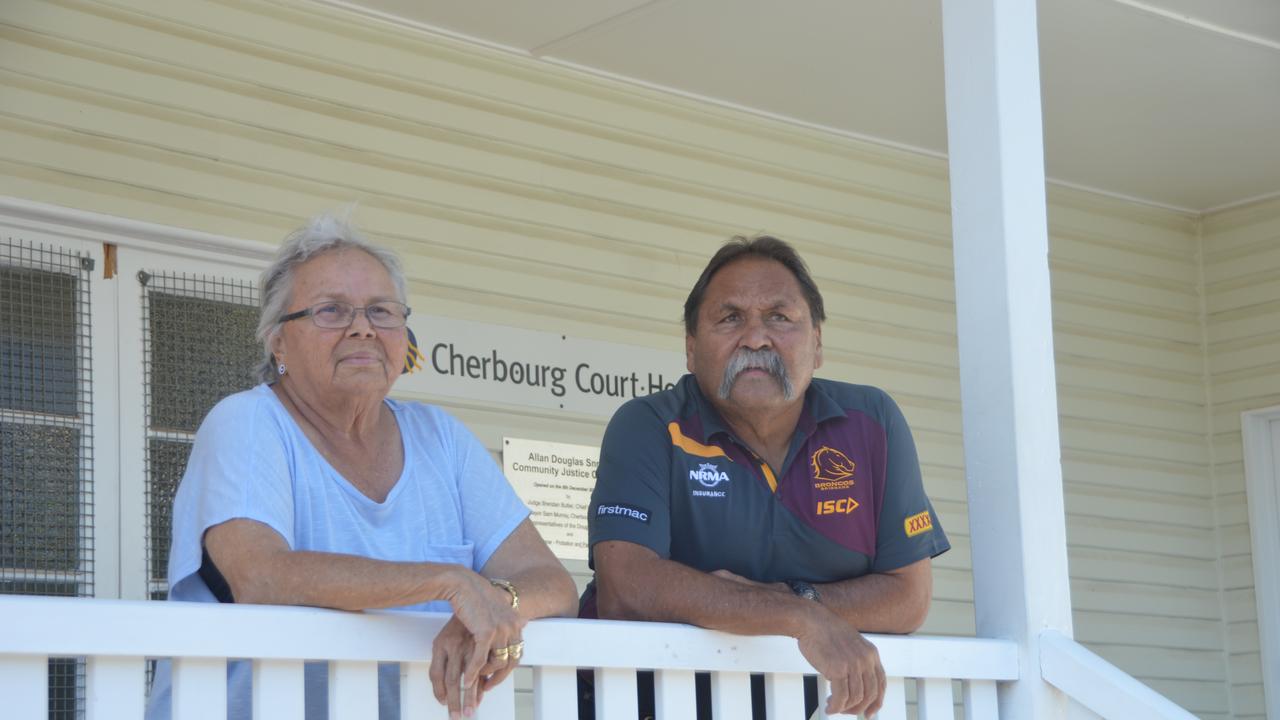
<point x="1012" y="458"/>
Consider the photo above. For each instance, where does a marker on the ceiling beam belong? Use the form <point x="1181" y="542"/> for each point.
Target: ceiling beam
<point x="1199" y="24"/>
<point x="599" y="26"/>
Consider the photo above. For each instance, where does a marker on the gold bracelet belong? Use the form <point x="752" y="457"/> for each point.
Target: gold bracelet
<point x="506" y="585"/>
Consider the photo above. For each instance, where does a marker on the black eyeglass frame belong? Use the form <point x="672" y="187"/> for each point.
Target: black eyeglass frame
<point x="311" y="312"/>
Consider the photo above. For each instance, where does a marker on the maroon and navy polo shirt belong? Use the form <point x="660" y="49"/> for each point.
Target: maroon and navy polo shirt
<point x="847" y="501"/>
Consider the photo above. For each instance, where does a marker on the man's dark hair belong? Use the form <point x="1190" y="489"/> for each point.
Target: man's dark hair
<point x="761" y="246"/>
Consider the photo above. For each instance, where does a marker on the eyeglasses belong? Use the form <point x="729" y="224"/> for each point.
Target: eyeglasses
<point x="340" y="315"/>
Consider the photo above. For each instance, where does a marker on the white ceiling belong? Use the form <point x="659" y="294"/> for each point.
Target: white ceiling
<point x="1174" y="102"/>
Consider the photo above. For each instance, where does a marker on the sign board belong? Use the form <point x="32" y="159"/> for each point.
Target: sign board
<point x="479" y="361"/>
<point x="555" y="480"/>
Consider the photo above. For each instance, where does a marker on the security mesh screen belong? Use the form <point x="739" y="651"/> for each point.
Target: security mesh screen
<point x="40" y="517"/>
<point x="166" y="461"/>
<point x="46" y="445"/>
<point x="199" y="347"/>
<point x="39" y="335"/>
<point x="46" y="441"/>
<point x="66" y="688"/>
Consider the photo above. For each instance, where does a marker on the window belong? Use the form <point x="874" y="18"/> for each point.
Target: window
<point x="166" y="344"/>
<point x="198" y="347"/>
<point x="46" y="436"/>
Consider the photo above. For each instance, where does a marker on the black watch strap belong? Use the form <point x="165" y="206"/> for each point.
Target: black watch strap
<point x="804" y="590"/>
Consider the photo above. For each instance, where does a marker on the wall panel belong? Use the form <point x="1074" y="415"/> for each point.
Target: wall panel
<point x="1242" y="300"/>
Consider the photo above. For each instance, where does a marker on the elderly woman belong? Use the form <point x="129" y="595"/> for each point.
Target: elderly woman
<point x="314" y="488"/>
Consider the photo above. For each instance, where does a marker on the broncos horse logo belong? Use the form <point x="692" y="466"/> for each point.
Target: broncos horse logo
<point x="831" y="465"/>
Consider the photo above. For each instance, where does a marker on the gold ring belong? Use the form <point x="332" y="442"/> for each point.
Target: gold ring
<point x="517" y="650"/>
<point x="501" y="653"/>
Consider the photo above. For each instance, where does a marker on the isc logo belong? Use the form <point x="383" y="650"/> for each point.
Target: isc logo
<point x="843" y="506"/>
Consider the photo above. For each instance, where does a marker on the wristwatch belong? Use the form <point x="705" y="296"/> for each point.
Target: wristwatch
<point x="804" y="590"/>
<point x="506" y="585"/>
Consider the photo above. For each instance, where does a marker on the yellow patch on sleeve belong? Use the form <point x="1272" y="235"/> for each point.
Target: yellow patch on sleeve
<point x="918" y="523"/>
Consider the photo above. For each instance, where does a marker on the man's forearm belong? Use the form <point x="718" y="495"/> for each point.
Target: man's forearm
<point x="892" y="602"/>
<point x="642" y="586"/>
<point x="662" y="590"/>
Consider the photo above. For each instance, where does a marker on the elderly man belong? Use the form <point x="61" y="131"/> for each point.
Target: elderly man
<point x="753" y="498"/>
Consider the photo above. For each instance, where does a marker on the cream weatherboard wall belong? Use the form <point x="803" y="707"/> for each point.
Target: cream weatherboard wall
<point x="1142" y="549"/>
<point x="1242" y="293"/>
<point x="540" y="198"/>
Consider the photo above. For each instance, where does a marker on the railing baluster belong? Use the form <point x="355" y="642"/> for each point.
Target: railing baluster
<point x="730" y="695"/>
<point x="279" y="689"/>
<point x="616" y="694"/>
<point x="115" y="687"/>
<point x="199" y="689"/>
<point x="674" y="693"/>
<point x="554" y="689"/>
<point x="933" y="695"/>
<point x="980" y="700"/>
<point x="783" y="695"/>
<point x="417" y="699"/>
<point x="500" y="702"/>
<point x="24" y="685"/>
<point x="824" y="690"/>
<point x="895" y="700"/>
<point x="893" y="708"/>
<point x="353" y="690"/>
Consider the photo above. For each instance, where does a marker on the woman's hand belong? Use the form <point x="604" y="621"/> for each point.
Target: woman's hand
<point x="479" y="646"/>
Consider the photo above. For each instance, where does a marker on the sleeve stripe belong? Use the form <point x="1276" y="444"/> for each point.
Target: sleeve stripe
<point x="691" y="446"/>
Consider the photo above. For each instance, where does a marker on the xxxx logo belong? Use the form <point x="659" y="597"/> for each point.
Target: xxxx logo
<point x="832" y="469"/>
<point x="917" y="524"/>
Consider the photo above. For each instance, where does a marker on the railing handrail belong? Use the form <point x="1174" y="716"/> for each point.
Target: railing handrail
<point x="90" y="627"/>
<point x="1098" y="685"/>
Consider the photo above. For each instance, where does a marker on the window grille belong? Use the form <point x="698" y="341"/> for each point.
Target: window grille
<point x="198" y="347"/>
<point x="46" y="437"/>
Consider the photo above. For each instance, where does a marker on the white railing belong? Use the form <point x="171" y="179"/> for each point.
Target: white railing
<point x="1098" y="685"/>
<point x="116" y="637"/>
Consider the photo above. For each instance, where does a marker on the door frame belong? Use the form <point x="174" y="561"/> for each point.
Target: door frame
<point x="1260" y="431"/>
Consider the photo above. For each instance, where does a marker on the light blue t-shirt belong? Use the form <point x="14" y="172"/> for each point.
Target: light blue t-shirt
<point x="251" y="460"/>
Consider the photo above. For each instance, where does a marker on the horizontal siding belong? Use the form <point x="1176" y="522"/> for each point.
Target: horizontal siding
<point x="1242" y="301"/>
<point x="542" y="198"/>
<point x="1136" y="460"/>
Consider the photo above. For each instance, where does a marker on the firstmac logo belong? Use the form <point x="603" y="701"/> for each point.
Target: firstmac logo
<point x="709" y="475"/>
<point x="630" y="512"/>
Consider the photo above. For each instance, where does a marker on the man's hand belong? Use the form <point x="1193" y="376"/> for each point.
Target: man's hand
<point x="840" y="653"/>
<point x="635" y="584"/>
<point x="848" y="662"/>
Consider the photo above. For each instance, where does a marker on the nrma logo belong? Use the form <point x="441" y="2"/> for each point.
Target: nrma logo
<point x="709" y="475"/>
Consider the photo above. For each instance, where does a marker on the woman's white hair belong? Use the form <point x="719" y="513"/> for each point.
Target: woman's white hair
<point x="329" y="232"/>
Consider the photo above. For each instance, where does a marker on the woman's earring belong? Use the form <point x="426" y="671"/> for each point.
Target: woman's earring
<point x="280" y="368"/>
